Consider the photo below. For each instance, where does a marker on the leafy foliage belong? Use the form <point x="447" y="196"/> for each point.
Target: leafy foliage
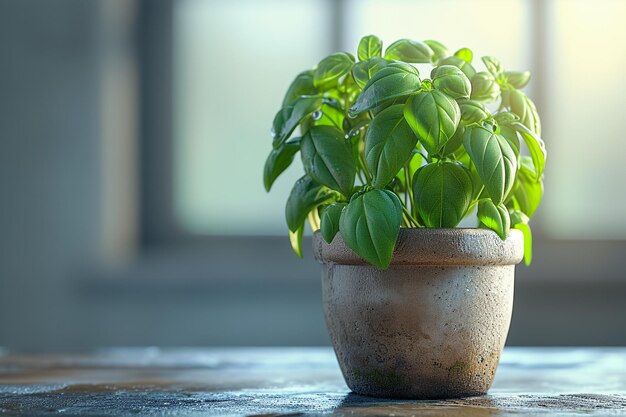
<point x="384" y="149"/>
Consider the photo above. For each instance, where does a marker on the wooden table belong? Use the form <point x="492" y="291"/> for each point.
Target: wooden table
<point x="290" y="382"/>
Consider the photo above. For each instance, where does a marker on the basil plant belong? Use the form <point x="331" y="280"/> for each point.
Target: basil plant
<point x="383" y="147"/>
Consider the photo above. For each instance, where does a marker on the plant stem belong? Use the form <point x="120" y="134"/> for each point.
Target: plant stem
<point x="408" y="186"/>
<point x="409" y="219"/>
<point x="314" y="220"/>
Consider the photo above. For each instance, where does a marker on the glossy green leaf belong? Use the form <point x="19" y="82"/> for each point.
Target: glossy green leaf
<point x="465" y="54"/>
<point x="493" y="66"/>
<point x="397" y="79"/>
<point x="288" y="118"/>
<point x="398" y="100"/>
<point x="512" y="138"/>
<point x="434" y="117"/>
<point x="472" y="112"/>
<point x="520" y="221"/>
<point x="302" y="85"/>
<point x="455" y="141"/>
<point x="485" y="87"/>
<point x="389" y="143"/>
<point x="504" y="118"/>
<point x="517" y="79"/>
<point x="370" y="224"/>
<point x="536" y="147"/>
<point x="329" y="116"/>
<point x="442" y="192"/>
<point x="278" y="161"/>
<point x="370" y="46"/>
<point x="305" y="195"/>
<point x="528" y="192"/>
<point x="524" y="107"/>
<point x="452" y="81"/>
<point x="331" y="68"/>
<point x="494" y="217"/>
<point x="363" y="71"/>
<point x="440" y="50"/>
<point x="329" y="221"/>
<point x="408" y="50"/>
<point x="464" y="66"/>
<point x="477" y="185"/>
<point x="327" y="158"/>
<point x="494" y="159"/>
<point x="295" y="238"/>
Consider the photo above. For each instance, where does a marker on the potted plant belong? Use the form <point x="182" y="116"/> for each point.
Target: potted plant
<point x="393" y="161"/>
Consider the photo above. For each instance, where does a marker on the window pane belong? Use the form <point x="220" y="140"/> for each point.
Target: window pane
<point x="233" y="62"/>
<point x="584" y="127"/>
<point x="235" y="59"/>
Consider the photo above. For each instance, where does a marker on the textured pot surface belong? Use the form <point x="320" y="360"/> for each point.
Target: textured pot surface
<point x="434" y="324"/>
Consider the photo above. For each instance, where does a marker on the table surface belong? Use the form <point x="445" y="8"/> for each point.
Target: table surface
<point x="292" y="381"/>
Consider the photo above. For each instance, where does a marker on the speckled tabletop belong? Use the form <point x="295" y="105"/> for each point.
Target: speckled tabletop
<point x="292" y="382"/>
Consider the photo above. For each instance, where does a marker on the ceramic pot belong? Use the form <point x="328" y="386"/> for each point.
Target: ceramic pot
<point x="434" y="324"/>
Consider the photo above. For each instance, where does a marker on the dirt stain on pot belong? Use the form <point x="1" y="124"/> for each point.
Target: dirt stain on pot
<point x="382" y="380"/>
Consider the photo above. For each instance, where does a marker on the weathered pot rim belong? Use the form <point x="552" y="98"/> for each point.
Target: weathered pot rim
<point x="424" y="246"/>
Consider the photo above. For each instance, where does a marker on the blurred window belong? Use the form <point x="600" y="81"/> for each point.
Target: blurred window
<point x="584" y="95"/>
<point x="234" y="60"/>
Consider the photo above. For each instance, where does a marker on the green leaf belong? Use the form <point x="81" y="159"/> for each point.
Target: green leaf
<point x="397" y="79"/>
<point x="455" y="141"/>
<point x="301" y="86"/>
<point x="485" y="87"/>
<point x="528" y="192"/>
<point x="434" y="117"/>
<point x="536" y="147"/>
<point x="505" y="118"/>
<point x="512" y="138"/>
<point x="331" y="68"/>
<point x="526" y="110"/>
<point x="472" y="112"/>
<point x="329" y="222"/>
<point x="443" y="192"/>
<point x="493" y="66"/>
<point x="295" y="238"/>
<point x="494" y="217"/>
<point x="439" y="49"/>
<point x="370" y="224"/>
<point x="477" y="185"/>
<point x="327" y="158"/>
<point x="278" y="161"/>
<point x="517" y="79"/>
<point x="520" y="221"/>
<point x="363" y="71"/>
<point x="330" y="116"/>
<point x="288" y="118"/>
<point x="389" y="142"/>
<point x="464" y="66"/>
<point x="305" y="195"/>
<point x="408" y="50"/>
<point x="495" y="161"/>
<point x="370" y="46"/>
<point x="452" y="81"/>
<point x="465" y="54"/>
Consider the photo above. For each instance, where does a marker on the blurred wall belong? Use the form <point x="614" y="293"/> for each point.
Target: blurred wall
<point x="50" y="164"/>
<point x="71" y="272"/>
